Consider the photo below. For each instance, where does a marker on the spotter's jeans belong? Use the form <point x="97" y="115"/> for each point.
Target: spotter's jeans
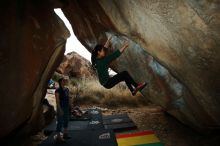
<point x="62" y="121"/>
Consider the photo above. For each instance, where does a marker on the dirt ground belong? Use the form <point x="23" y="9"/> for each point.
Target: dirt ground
<point x="170" y="131"/>
<point x="167" y="129"/>
<point x="151" y="117"/>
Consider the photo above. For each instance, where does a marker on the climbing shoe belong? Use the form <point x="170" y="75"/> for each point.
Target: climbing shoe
<point x="139" y="88"/>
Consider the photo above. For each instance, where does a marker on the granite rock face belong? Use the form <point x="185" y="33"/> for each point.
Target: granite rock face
<point x="32" y="45"/>
<point x="174" y="45"/>
<point x="74" y="65"/>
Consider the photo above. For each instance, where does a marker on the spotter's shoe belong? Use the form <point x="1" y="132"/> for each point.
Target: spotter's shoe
<point x="59" y="140"/>
<point x="66" y="136"/>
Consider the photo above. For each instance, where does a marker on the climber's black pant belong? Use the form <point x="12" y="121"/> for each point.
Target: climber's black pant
<point x="122" y="76"/>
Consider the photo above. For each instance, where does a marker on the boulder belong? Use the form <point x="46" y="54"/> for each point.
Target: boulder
<point x="74" y="65"/>
<point x="32" y="45"/>
<point x="173" y="45"/>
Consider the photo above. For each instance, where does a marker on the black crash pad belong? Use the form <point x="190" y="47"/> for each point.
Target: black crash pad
<point x="95" y="114"/>
<point x="118" y="122"/>
<point x="85" y="138"/>
<point x="72" y="125"/>
<point x="95" y="122"/>
<point x="121" y="126"/>
<point x="116" y="119"/>
<point x="84" y="117"/>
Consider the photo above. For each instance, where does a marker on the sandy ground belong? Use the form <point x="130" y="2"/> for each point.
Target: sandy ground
<point x="170" y="131"/>
<point x="167" y="129"/>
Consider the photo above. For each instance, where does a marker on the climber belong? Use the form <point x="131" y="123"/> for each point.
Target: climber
<point x="63" y="104"/>
<point x="101" y="63"/>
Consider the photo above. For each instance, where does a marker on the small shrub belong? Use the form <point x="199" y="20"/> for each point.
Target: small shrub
<point x="91" y="92"/>
<point x="56" y="76"/>
<point x="74" y="81"/>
